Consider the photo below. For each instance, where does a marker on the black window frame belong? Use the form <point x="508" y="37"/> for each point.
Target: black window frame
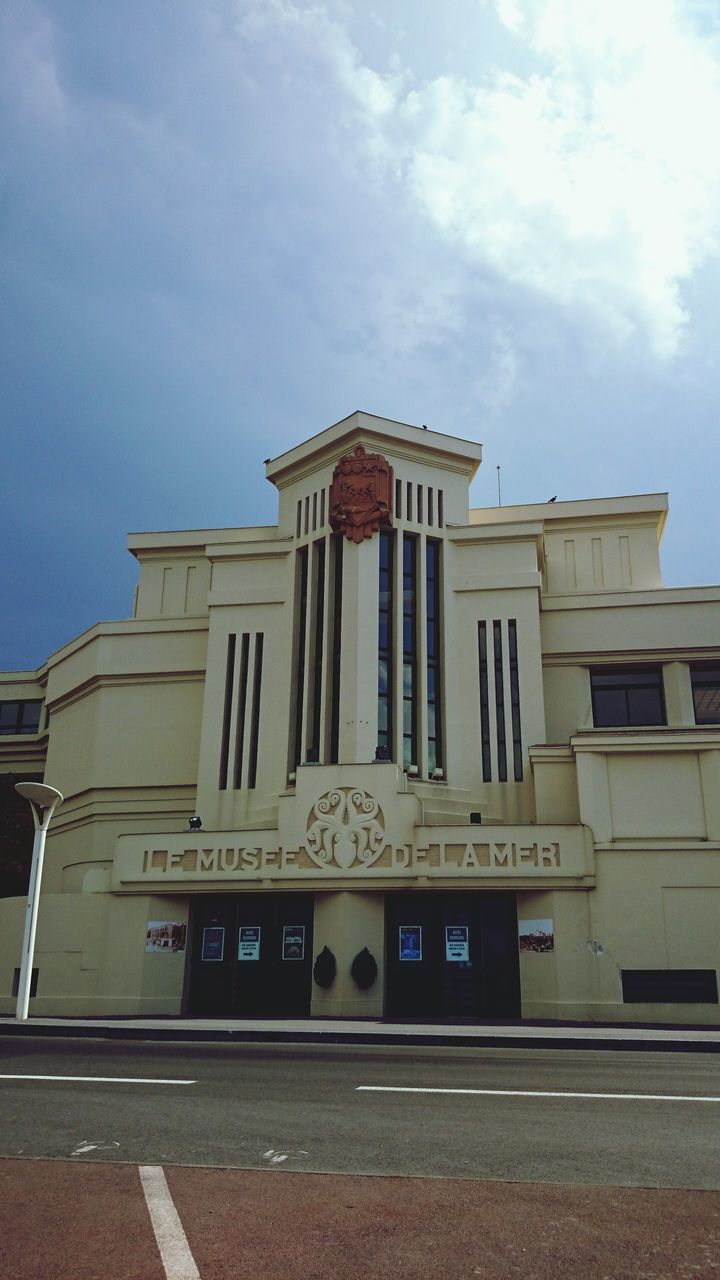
<point x="18" y="726"/>
<point x="704" y="676"/>
<point x="626" y="680"/>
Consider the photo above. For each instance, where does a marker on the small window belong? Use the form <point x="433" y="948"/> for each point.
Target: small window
<point x="20" y="717"/>
<point x="623" y="697"/>
<point x="706" y="694"/>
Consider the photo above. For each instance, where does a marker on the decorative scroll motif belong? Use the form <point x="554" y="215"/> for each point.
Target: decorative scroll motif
<point x="361" y="497"/>
<point x="346" y="826"/>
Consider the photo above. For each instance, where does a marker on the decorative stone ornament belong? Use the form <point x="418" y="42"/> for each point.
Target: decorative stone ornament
<point x="346" y="826"/>
<point x="364" y="969"/>
<point x="361" y="497"/>
<point x="325" y="968"/>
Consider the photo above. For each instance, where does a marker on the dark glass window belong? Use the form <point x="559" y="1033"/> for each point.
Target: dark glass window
<point x="515" y="700"/>
<point x="337" y="587"/>
<point x="434" y="726"/>
<point x="500" y="703"/>
<point x="302" y="565"/>
<point x="314" y="745"/>
<point x="410" y="717"/>
<point x="706" y="694"/>
<point x="627" y="697"/>
<point x="484" y="703"/>
<point x="227" y="713"/>
<point x="385" y="647"/>
<point x="255" y="722"/>
<point x="242" y="708"/>
<point x="20" y="717"/>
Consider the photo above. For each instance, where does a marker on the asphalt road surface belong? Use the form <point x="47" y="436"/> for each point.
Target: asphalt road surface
<point x="613" y="1119"/>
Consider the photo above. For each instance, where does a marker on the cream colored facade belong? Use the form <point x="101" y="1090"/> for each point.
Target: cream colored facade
<point x="246" y="689"/>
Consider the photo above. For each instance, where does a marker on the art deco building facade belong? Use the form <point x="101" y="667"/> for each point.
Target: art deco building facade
<point x="449" y="763"/>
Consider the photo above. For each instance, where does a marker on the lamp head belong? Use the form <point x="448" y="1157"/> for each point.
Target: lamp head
<point x="43" y="800"/>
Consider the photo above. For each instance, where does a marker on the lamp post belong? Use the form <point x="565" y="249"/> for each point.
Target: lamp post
<point x="43" y="800"/>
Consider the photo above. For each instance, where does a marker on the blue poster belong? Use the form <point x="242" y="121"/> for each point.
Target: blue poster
<point x="411" y="942"/>
<point x="213" y="945"/>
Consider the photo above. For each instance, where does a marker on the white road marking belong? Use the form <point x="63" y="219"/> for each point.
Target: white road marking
<point x="172" y="1242"/>
<point x="99" y="1079"/>
<point x="540" y="1093"/>
<point x="86" y="1146"/>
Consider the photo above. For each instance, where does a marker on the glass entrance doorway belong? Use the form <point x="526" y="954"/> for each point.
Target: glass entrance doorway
<point x="452" y="955"/>
<point x="251" y="955"/>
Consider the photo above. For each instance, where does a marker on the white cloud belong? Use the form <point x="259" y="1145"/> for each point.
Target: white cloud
<point x="28" y="65"/>
<point x="593" y="179"/>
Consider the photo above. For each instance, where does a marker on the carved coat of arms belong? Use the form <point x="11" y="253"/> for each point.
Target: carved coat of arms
<point x="346" y="826"/>
<point x="361" y="498"/>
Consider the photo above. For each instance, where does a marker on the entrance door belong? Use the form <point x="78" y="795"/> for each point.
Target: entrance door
<point x="252" y="955"/>
<point x="452" y="955"/>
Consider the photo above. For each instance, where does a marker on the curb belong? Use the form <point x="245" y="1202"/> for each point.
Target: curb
<point x="484" y="1040"/>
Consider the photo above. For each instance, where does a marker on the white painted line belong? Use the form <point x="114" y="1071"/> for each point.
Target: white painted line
<point x="172" y="1242"/>
<point x="541" y="1093"/>
<point x="99" y="1079"/>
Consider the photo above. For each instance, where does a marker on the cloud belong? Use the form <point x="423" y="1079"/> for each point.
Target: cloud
<point x="591" y="179"/>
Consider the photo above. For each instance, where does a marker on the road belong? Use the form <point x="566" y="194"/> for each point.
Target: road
<point x="281" y="1161"/>
<point x="249" y="1105"/>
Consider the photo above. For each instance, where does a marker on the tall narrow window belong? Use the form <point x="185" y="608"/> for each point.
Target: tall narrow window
<point x="227" y="713"/>
<point x="319" y="621"/>
<point x="434" y="726"/>
<point x="302" y="562"/>
<point x="484" y="703"/>
<point x="385" y="647"/>
<point x="242" y="708"/>
<point x="337" y="588"/>
<point x="515" y="700"/>
<point x="419" y="504"/>
<point x="408" y="500"/>
<point x="431" y="507"/>
<point x="398" y="499"/>
<point x="500" y="703"/>
<point x="410" y="707"/>
<point x="255" y="723"/>
<point x="441" y="509"/>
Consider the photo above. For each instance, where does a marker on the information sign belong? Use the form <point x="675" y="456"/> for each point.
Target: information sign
<point x="249" y="942"/>
<point x="457" y="943"/>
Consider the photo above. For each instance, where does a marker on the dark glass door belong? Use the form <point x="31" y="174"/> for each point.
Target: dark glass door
<point x="452" y="955"/>
<point x="252" y="955"/>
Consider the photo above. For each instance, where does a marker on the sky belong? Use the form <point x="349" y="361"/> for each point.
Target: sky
<point x="227" y="224"/>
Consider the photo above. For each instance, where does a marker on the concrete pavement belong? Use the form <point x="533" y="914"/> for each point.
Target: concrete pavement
<point x="689" y="1039"/>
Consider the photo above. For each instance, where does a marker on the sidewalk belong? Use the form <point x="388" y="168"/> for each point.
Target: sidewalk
<point x="515" y="1035"/>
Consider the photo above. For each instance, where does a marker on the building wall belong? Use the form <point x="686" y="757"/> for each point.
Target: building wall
<point x="200" y="704"/>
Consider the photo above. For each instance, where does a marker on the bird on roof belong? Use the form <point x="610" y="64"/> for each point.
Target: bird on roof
<point x="553" y="499"/>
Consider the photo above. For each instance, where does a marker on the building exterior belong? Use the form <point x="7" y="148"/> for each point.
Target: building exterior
<point x="391" y="756"/>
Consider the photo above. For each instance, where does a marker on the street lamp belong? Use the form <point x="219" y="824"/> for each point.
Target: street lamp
<point x="43" y="800"/>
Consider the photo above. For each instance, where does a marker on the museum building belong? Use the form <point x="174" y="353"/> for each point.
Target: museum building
<point x="392" y="756"/>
